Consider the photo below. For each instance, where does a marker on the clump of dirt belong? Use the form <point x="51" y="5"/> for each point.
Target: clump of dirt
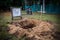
<point x="33" y="29"/>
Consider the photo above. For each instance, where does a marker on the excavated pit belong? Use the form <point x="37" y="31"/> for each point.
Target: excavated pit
<point x="39" y="30"/>
<point x="26" y="24"/>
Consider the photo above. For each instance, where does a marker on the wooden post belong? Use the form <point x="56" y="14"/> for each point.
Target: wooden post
<point x="41" y="9"/>
<point x="11" y="14"/>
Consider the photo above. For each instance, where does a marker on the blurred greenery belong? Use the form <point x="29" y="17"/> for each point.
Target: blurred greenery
<point x="4" y="35"/>
<point x="6" y="4"/>
<point x="3" y="30"/>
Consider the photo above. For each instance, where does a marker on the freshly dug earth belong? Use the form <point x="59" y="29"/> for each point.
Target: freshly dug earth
<point x="33" y="29"/>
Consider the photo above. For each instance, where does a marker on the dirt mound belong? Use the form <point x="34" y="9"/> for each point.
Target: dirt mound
<point x="33" y="29"/>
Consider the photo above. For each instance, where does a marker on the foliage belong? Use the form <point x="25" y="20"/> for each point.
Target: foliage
<point x="6" y="4"/>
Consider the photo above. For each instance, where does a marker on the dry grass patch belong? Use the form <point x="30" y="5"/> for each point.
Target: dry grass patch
<point x="33" y="29"/>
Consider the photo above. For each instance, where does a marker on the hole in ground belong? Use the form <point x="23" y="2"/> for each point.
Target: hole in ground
<point x="27" y="24"/>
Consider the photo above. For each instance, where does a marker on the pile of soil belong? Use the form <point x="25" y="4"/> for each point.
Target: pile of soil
<point x="33" y="29"/>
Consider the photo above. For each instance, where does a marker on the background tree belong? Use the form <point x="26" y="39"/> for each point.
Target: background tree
<point x="6" y="4"/>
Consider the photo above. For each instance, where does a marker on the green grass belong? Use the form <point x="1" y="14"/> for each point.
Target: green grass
<point x="50" y="17"/>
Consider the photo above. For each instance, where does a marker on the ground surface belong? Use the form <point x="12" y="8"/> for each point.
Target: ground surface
<point x="46" y="20"/>
<point x="51" y="17"/>
<point x="55" y="18"/>
<point x="34" y="29"/>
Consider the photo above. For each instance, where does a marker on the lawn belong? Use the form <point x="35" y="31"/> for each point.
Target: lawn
<point x="50" y="17"/>
<point x="6" y="16"/>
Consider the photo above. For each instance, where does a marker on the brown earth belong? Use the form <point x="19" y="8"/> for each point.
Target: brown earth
<point x="33" y="29"/>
